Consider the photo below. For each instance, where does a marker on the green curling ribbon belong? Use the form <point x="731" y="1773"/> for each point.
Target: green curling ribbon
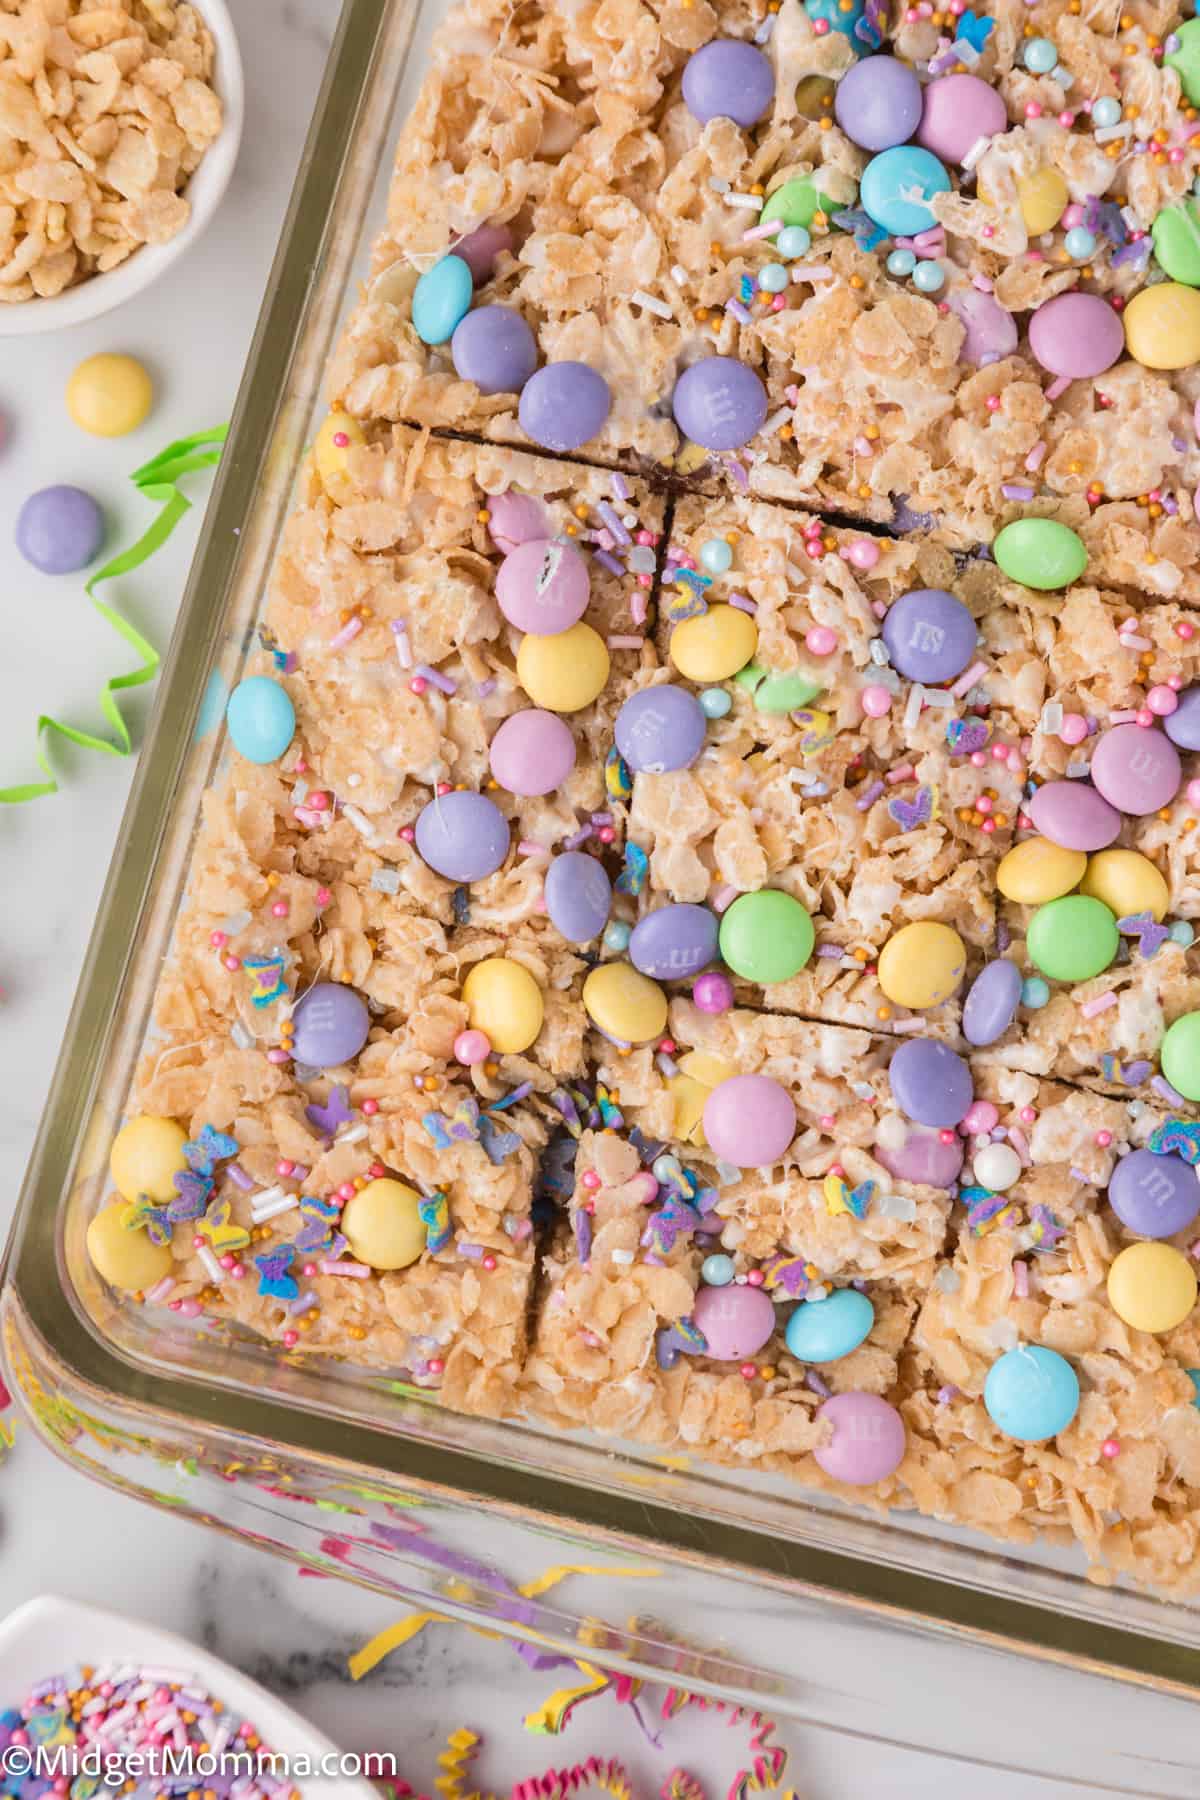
<point x="156" y="481"/>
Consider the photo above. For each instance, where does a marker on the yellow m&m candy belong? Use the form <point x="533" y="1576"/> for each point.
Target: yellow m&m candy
<point x="624" y="1003"/>
<point x="922" y="965"/>
<point x="1043" y="198"/>
<point x="505" y="1003"/>
<point x="125" y="1258"/>
<point x="339" y="434"/>
<point x="566" y="672"/>
<point x="714" y="646"/>
<point x="1127" y="882"/>
<point x="109" y="395"/>
<point x="1152" y="1286"/>
<point x="1037" y="871"/>
<point x="382" y="1225"/>
<point x="146" y="1156"/>
<point x="1162" y="326"/>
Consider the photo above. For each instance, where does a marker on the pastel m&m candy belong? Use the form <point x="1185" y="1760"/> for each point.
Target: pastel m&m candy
<point x="1136" y="769"/>
<point x="566" y="672"/>
<point x="1183" y="725"/>
<point x="494" y="347"/>
<point x="796" y="202"/>
<point x="60" y="530"/>
<point x="441" y="299"/>
<point x="146" y="1156"/>
<point x="543" y="587"/>
<point x="625" y="1004"/>
<point x="127" y="1260"/>
<point x="1152" y="1287"/>
<point x="736" y="1321"/>
<point x="1156" y="1196"/>
<point x="504" y="1002"/>
<point x="514" y="518"/>
<point x="1162" y="326"/>
<point x="922" y="964"/>
<point x="728" y="79"/>
<point x="878" y="102"/>
<point x="1127" y="882"/>
<point x="660" y="728"/>
<point x="930" y="635"/>
<point x="674" y="941"/>
<point x="578" y="895"/>
<point x="339" y="434"/>
<point x="1074" y="815"/>
<point x="1037" y="870"/>
<point x="715" y="645"/>
<point x="1176" y="235"/>
<point x="261" y="719"/>
<point x="868" y="1440"/>
<point x="480" y="248"/>
<point x="766" y="937"/>
<point x="958" y="110"/>
<point x="823" y="1331"/>
<point x="931" y="1084"/>
<point x="382" y="1225"/>
<point x="462" y="836"/>
<point x="1031" y="1393"/>
<point x="897" y="186"/>
<point x="1072" y="939"/>
<point x="719" y="403"/>
<point x="749" y="1121"/>
<point x="109" y="395"/>
<point x="991" y="1003"/>
<point x="1179" y="1054"/>
<point x="331" y="1024"/>
<point x="1040" y="553"/>
<point x="1076" y="335"/>
<point x="1043" y="198"/>
<point x="532" y="753"/>
<point x="778" y="691"/>
<point x="564" y="405"/>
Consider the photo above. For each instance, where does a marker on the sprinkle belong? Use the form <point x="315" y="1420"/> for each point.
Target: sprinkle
<point x="641" y="298"/>
<point x="626" y="642"/>
<point x="403" y="648"/>
<point x="212" y="1267"/>
<point x="1163" y="1087"/>
<point x="1131" y="641"/>
<point x="361" y="824"/>
<point x="776" y="421"/>
<point x="484" y="688"/>
<point x="1126" y="717"/>
<point x="530" y="847"/>
<point x="609" y="562"/>
<point x="817" y="1384"/>
<point x="723" y="897"/>
<point x="868" y="799"/>
<point x="442" y="682"/>
<point x="579" y="837"/>
<point x="811" y="272"/>
<point x="978" y="149"/>
<point x="1019" y="1143"/>
<point x="741" y="313"/>
<point x="160" y="1292"/>
<point x="748" y="202"/>
<point x="286" y="1203"/>
<point x="386" y="881"/>
<point x="612" y="520"/>
<point x="236" y="1173"/>
<point x="1020" y="1273"/>
<point x="1052" y="717"/>
<point x="770" y="229"/>
<point x="357" y="1271"/>
<point x="1108" y="134"/>
<point x="912" y="709"/>
<point x="1016" y="490"/>
<point x="743" y="604"/>
<point x="509" y="1099"/>
<point x="347" y="634"/>
<point x="679" y="274"/>
<point x="967" y="680"/>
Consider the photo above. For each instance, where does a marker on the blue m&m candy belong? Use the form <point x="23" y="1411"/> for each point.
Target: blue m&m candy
<point x="441" y="300"/>
<point x="1031" y="1393"/>
<point x="261" y="719"/>
<point x="821" y="1331"/>
<point x="897" y="186"/>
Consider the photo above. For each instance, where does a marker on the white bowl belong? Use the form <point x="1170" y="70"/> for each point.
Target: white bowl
<point x="205" y="191"/>
<point x="48" y="1635"/>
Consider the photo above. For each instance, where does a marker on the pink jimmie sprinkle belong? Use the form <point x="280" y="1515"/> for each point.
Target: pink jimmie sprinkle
<point x="1100" y="1004"/>
<point x="969" y="677"/>
<point x="358" y="1271"/>
<point x="723" y="898"/>
<point x="347" y="634"/>
<point x="1020" y="1280"/>
<point x="1036" y="456"/>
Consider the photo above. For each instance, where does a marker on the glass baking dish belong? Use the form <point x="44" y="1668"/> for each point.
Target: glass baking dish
<point x="332" y="1468"/>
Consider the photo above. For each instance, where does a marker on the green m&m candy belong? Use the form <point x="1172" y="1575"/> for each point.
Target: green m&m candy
<point x="1185" y="60"/>
<point x="796" y="202"/>
<point x="1176" y="234"/>
<point x="767" y="937"/>
<point x="1072" y="939"/>
<point x="1179" y="1054"/>
<point x="1040" y="553"/>
<point x="783" y="691"/>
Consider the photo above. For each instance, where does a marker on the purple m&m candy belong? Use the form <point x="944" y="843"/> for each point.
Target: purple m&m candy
<point x="728" y="79"/>
<point x="736" y="1321"/>
<point x="868" y="1439"/>
<point x="578" y="896"/>
<point x="957" y="111"/>
<point x="480" y="248"/>
<point x="1183" y="725"/>
<point x="749" y="1121"/>
<point x="660" y="728"/>
<point x="930" y="636"/>
<point x="1074" y="816"/>
<point x="543" y="587"/>
<point x="675" y="942"/>
<point x="719" y="403"/>
<point x="991" y="1003"/>
<point x="515" y="518"/>
<point x="564" y="405"/>
<point x="1136" y="769"/>
<point x="462" y="835"/>
<point x="494" y="348"/>
<point x="930" y="1083"/>
<point x="1156" y="1196"/>
<point x="532" y="753"/>
<point x="924" y="1159"/>
<point x="331" y="1023"/>
<point x="60" y="530"/>
<point x="990" y="330"/>
<point x="878" y="102"/>
<point x="1076" y="335"/>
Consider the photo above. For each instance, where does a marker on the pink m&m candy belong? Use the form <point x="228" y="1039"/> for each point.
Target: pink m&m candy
<point x="958" y="110"/>
<point x="1074" y="816"/>
<point x="736" y="1321"/>
<point x="532" y="753"/>
<point x="480" y="248"/>
<point x="516" y="519"/>
<point x="1136" y="768"/>
<point x="543" y="587"/>
<point x="749" y="1121"/>
<point x="868" y="1439"/>
<point x="990" y="330"/>
<point x="1076" y="335"/>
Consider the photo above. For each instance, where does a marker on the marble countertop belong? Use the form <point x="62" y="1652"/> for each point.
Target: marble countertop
<point x="887" y="1716"/>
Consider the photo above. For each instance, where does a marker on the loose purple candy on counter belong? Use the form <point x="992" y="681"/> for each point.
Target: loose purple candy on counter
<point x="930" y="1082"/>
<point x="1136" y="769"/>
<point x="991" y="1003"/>
<point x="60" y="530"/>
<point x="331" y="1023"/>
<point x="719" y="403"/>
<point x="1183" y="725"/>
<point x="462" y="835"/>
<point x="958" y="110"/>
<point x="494" y="348"/>
<point x="728" y="79"/>
<point x="1076" y="335"/>
<point x="532" y="753"/>
<point x="514" y="518"/>
<point x="675" y="941"/>
<point x="578" y="896"/>
<point x="736" y="1321"/>
<point x="930" y="636"/>
<point x="659" y="729"/>
<point x="1074" y="816"/>
<point x="878" y="102"/>
<point x="543" y="587"/>
<point x="868" y="1438"/>
<point x="1156" y="1196"/>
<point x="480" y="248"/>
<point x="924" y="1159"/>
<point x="564" y="405"/>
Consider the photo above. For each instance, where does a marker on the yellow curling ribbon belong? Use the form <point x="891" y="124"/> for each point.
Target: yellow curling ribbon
<point x="156" y="481"/>
<point x="462" y="1747"/>
<point x="550" y="1717"/>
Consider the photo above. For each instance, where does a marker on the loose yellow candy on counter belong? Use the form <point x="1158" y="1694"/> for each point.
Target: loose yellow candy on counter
<point x="566" y="672"/>
<point x="125" y="1259"/>
<point x="147" y="1154"/>
<point x="1162" y="326"/>
<point x="337" y="437"/>
<point x="625" y="1003"/>
<point x="922" y="965"/>
<point x="1152" y="1286"/>
<point x="1043" y="198"/>
<point x="1127" y="882"/>
<point x="715" y="645"/>
<point x="1037" y="871"/>
<point x="109" y="395"/>
<point x="505" y="1003"/>
<point x="382" y="1225"/>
